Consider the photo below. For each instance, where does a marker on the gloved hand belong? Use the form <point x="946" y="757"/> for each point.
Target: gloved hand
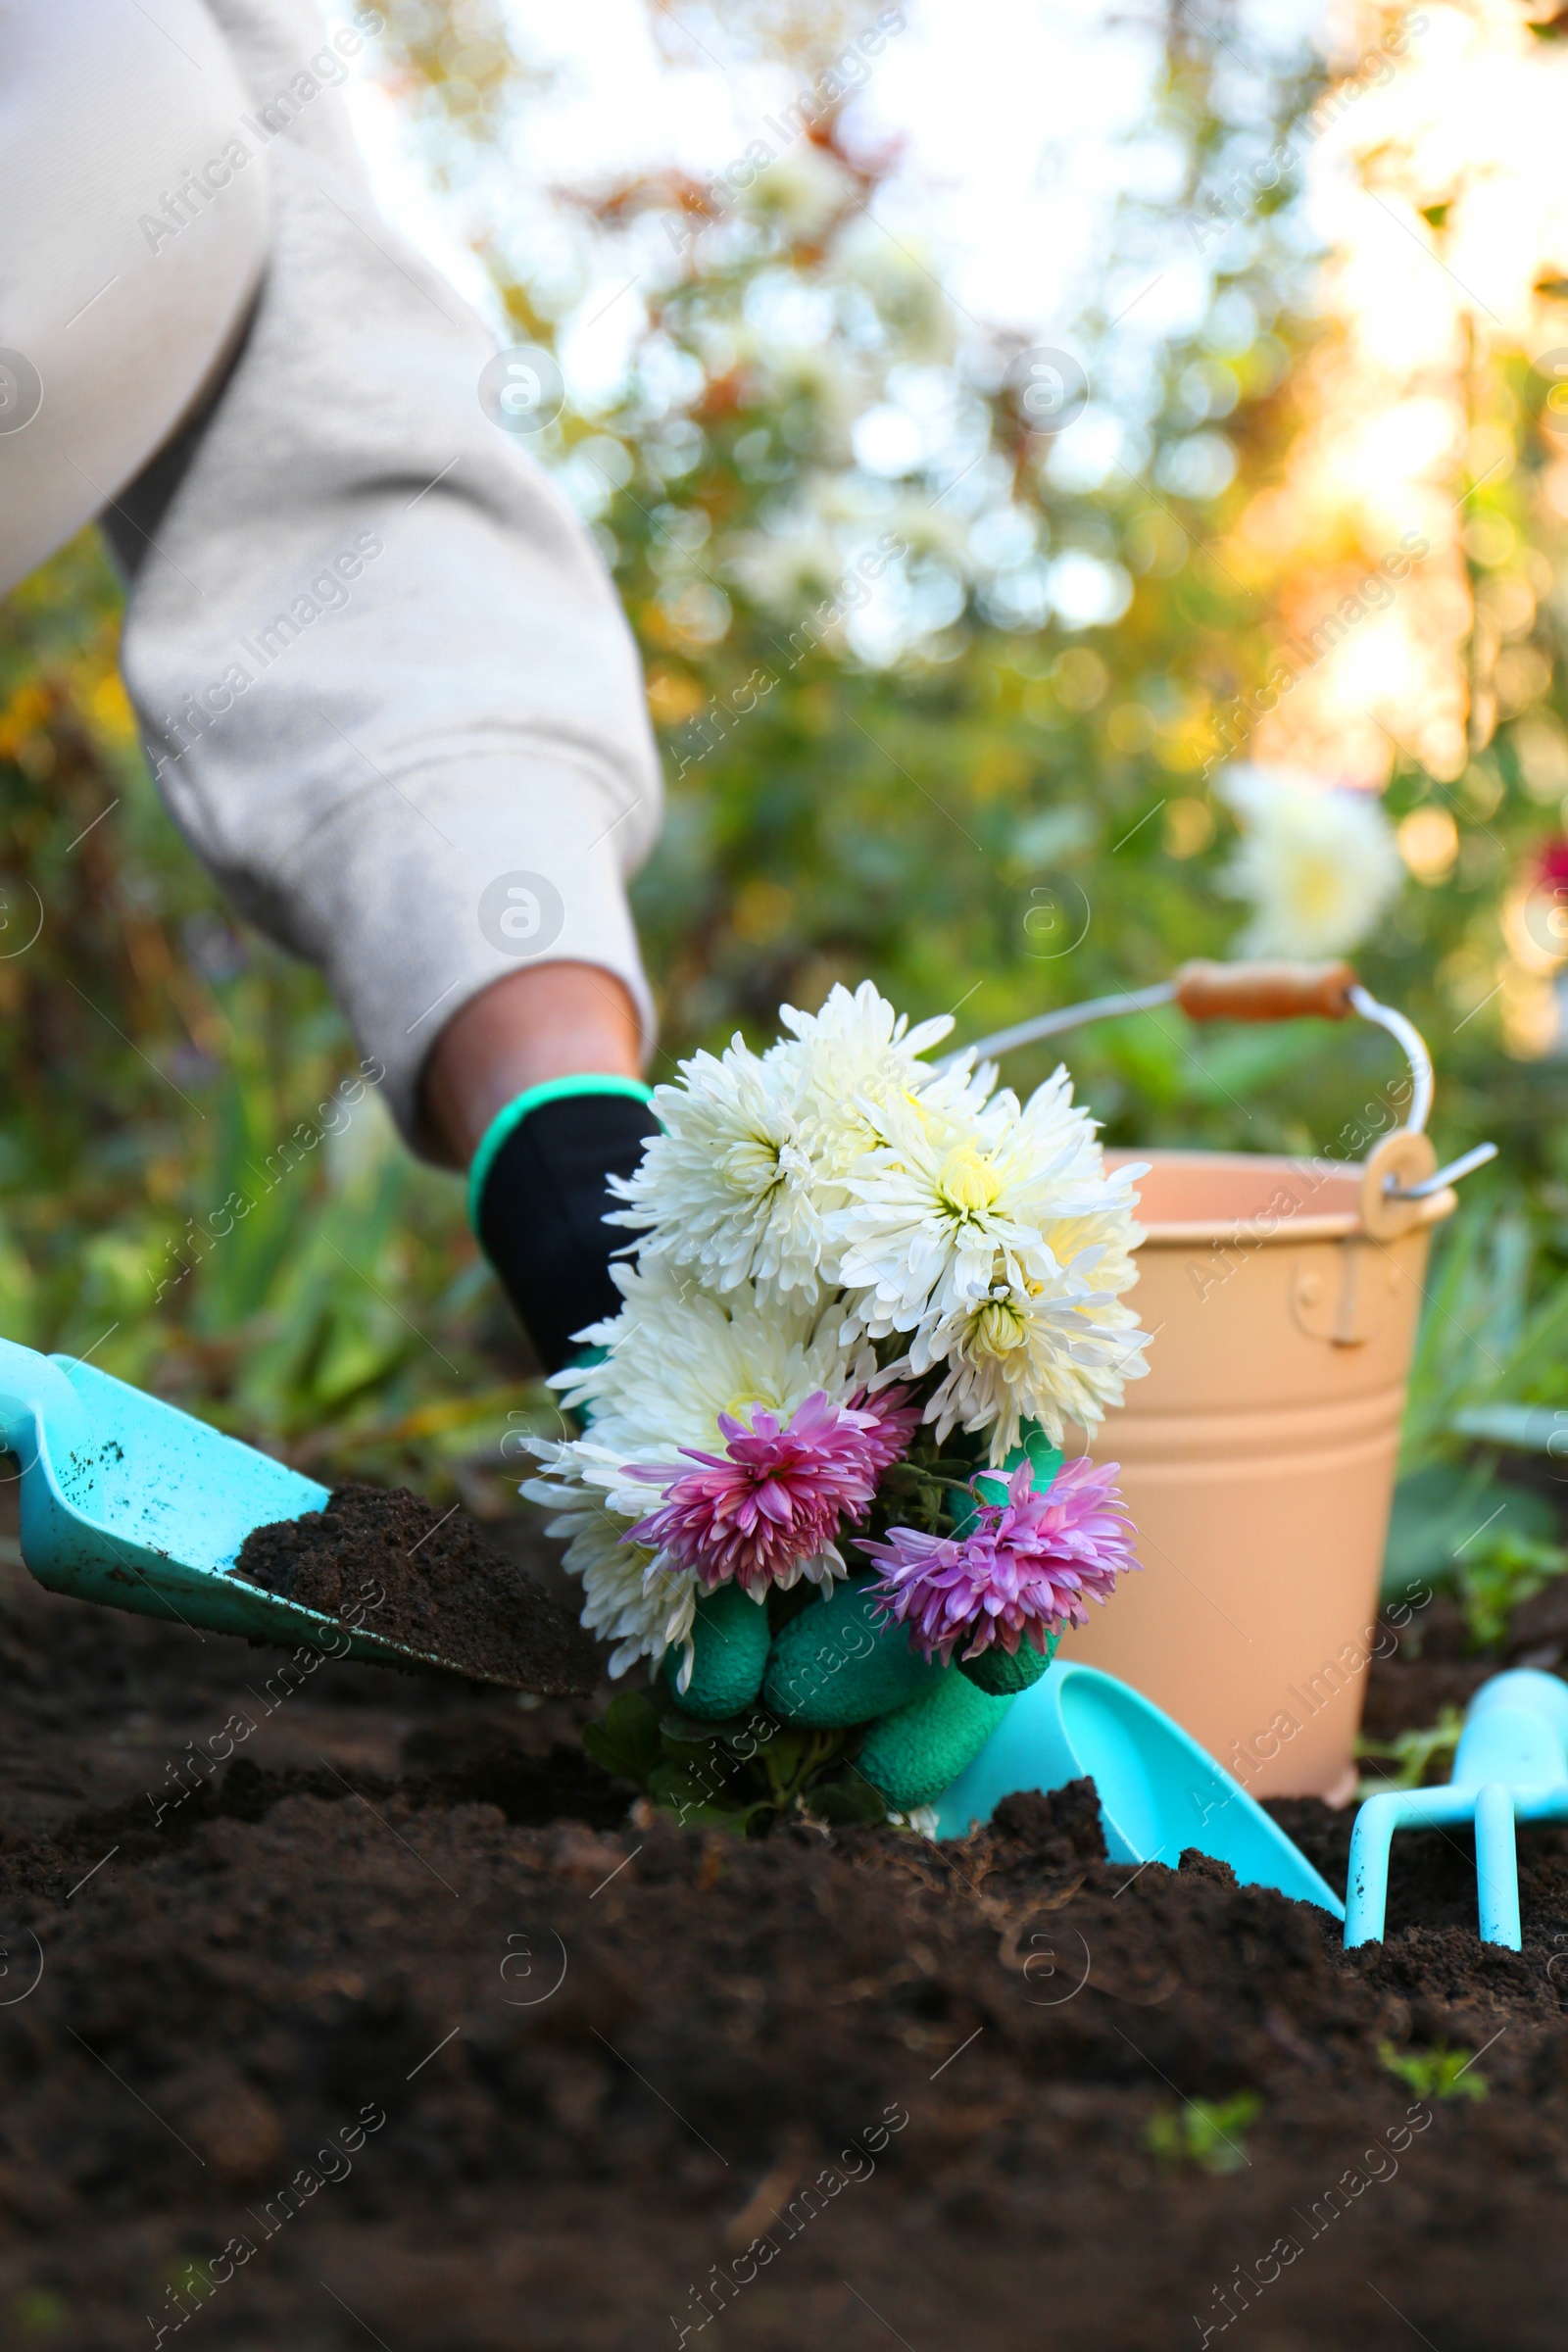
<point x="538" y="1192"/>
<point x="842" y="1662"/>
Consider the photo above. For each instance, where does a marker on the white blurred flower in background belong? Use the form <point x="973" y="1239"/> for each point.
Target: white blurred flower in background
<point x="804" y="191"/>
<point x="798" y="564"/>
<point x="905" y="279"/>
<point x="930" y="532"/>
<point x="1317" y="864"/>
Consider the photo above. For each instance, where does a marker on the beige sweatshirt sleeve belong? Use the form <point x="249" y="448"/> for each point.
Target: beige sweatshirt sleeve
<point x="387" y="689"/>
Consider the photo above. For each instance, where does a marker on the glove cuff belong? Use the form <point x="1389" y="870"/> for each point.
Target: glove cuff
<point x="512" y="1115"/>
<point x="539" y="1196"/>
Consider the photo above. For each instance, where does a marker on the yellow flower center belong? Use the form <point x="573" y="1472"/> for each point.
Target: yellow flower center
<point x="997" y="1330"/>
<point x="752" y="1166"/>
<point x="969" y="1182"/>
<point x="741" y="1407"/>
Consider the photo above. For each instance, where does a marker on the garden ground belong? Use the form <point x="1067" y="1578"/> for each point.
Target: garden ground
<point x="535" y="2073"/>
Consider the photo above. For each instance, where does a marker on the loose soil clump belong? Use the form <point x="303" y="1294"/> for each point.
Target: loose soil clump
<point x="404" y="2022"/>
<point x="433" y="1584"/>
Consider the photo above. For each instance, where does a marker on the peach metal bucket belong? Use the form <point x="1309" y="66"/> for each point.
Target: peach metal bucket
<point x="1257" y="1457"/>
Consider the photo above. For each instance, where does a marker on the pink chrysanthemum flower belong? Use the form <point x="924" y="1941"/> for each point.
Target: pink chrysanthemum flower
<point x="774" y="1498"/>
<point x="1023" y="1571"/>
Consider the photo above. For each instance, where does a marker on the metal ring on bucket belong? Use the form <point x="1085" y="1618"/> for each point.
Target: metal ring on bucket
<point x="1401" y="1159"/>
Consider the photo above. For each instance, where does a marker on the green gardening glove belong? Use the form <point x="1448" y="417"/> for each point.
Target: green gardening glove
<point x="842" y="1662"/>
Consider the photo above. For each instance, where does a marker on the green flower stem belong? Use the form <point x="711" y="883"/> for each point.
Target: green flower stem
<point x="819" y="1750"/>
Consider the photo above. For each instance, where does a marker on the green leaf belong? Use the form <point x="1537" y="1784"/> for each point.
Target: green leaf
<point x="1527" y="1428"/>
<point x="687" y="1730"/>
<point x="1415" y="1754"/>
<point x="1434" y="1509"/>
<point x="1498" y="1573"/>
<point x="848" y="1803"/>
<point x="685" y="1786"/>
<point x="626" y="1742"/>
<point x="719" y="1794"/>
<point x="1442" y="2072"/>
<point x="1208" y="2133"/>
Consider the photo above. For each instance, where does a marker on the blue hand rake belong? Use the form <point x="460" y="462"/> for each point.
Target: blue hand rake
<point x="128" y="1501"/>
<point x="1511" y="1765"/>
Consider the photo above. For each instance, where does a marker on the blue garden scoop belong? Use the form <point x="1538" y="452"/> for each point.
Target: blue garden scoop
<point x="1511" y="1765"/>
<point x="1160" y="1792"/>
<point x="128" y="1501"/>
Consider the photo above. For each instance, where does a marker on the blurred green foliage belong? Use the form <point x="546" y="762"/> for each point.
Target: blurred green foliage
<point x="1211" y="2133"/>
<point x="1417" y="1756"/>
<point x="899" y="742"/>
<point x="198" y="1187"/>
<point x="1442" y="2072"/>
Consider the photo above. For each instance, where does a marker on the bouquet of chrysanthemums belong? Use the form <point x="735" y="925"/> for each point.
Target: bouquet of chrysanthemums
<point x="862" y="1282"/>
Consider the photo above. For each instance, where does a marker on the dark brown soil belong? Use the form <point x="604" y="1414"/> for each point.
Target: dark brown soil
<point x="440" y="1588"/>
<point x="850" y="2090"/>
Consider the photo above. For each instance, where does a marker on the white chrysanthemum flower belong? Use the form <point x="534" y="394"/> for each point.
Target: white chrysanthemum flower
<point x="678" y="1358"/>
<point x="754" y="1149"/>
<point x="726" y="1188"/>
<point x="955" y="1190"/>
<point x="854" y="1040"/>
<point x="1046" y="1351"/>
<point x="1318" y="865"/>
<point x="626" y="1598"/>
<point x="994" y="1236"/>
<point x="855" y="1053"/>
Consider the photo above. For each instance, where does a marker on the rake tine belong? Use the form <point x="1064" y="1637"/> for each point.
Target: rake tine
<point x="1366" y="1897"/>
<point x="1497" y="1866"/>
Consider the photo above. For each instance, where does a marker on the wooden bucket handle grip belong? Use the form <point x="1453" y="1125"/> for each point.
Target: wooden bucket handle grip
<point x="1264" y="991"/>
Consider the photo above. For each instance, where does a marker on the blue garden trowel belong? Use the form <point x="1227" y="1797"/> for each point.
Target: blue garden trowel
<point x="1160" y="1792"/>
<point x="126" y="1501"/>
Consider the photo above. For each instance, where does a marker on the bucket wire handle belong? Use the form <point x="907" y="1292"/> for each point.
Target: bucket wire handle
<point x="1263" y="992"/>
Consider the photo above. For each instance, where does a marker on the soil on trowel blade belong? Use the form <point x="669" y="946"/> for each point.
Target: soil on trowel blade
<point x="382" y="1559"/>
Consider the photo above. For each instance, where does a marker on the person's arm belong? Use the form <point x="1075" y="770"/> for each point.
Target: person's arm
<point x="557" y="1021"/>
<point x="387" y="687"/>
<point x="393" y="702"/>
